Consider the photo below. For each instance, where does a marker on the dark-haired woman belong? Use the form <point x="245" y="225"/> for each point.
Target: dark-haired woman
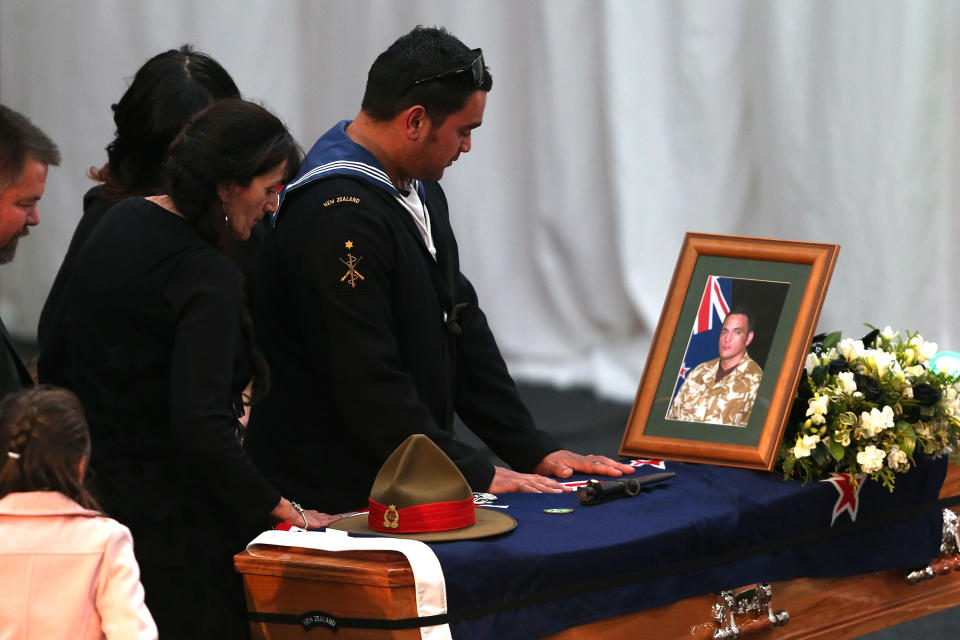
<point x="153" y="338"/>
<point x="169" y="89"/>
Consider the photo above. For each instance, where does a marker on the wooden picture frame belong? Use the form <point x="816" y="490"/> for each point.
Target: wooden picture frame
<point x="795" y="276"/>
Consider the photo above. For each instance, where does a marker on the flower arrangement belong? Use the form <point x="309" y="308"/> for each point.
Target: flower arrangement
<point x="870" y="406"/>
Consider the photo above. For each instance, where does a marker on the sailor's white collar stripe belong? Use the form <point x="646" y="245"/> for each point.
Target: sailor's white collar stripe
<point x="339" y="166"/>
<point x="346" y="167"/>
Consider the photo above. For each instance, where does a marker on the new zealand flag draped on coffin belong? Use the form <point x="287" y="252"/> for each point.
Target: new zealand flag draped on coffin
<point x="713" y="309"/>
<point x="675" y="540"/>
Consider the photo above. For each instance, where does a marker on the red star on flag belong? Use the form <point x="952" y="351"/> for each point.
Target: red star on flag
<point x="684" y="369"/>
<point x="641" y="462"/>
<point x="849" y="498"/>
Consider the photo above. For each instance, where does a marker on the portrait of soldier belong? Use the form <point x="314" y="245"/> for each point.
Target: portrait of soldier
<point x="722" y="390"/>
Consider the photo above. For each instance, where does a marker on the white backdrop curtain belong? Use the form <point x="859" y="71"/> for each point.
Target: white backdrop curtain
<point x="613" y="128"/>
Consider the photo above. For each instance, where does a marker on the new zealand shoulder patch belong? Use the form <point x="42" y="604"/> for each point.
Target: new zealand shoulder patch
<point x="341" y="200"/>
<point x="351" y="262"/>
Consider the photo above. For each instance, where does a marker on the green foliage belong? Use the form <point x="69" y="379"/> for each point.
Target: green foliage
<point x="831" y="341"/>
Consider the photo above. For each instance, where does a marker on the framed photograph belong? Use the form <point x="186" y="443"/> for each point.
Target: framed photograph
<point x="729" y="349"/>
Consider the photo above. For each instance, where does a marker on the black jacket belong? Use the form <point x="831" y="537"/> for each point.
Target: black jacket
<point x="13" y="373"/>
<point x="95" y="206"/>
<point x="148" y="335"/>
<point x="369" y="340"/>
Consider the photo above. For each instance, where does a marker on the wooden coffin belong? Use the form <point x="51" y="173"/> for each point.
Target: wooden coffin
<point x="379" y="585"/>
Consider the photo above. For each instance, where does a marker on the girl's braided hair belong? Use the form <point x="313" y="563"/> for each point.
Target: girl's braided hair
<point x="43" y="438"/>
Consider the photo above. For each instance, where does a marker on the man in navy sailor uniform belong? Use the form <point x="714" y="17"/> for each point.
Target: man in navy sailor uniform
<point x="371" y="331"/>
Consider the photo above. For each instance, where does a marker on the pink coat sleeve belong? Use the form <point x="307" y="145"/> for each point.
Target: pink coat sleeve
<point x="119" y="597"/>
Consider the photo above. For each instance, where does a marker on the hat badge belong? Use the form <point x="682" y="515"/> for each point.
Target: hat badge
<point x="391" y="518"/>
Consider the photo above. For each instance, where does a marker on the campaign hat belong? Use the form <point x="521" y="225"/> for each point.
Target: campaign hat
<point x="420" y="494"/>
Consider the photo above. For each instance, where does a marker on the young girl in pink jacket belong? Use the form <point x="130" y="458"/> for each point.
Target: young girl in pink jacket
<point x="66" y="570"/>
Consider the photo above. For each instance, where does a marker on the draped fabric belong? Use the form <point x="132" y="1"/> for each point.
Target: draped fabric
<point x="700" y="532"/>
<point x="612" y="129"/>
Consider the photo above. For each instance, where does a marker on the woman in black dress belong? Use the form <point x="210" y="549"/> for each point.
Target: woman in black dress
<point x="153" y="337"/>
<point x="168" y="90"/>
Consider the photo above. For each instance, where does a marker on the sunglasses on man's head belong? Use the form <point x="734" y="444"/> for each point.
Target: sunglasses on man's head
<point x="475" y="68"/>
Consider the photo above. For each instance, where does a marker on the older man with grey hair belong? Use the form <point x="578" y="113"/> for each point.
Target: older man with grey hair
<point x="25" y="154"/>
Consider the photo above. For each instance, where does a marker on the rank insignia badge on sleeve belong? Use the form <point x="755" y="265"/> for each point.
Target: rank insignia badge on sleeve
<point x="351" y="262"/>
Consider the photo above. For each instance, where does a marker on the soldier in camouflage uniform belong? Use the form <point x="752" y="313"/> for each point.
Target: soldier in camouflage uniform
<point x="722" y="390"/>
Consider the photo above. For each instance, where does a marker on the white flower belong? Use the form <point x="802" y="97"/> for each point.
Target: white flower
<point x="812" y="362"/>
<point x="876" y="421"/>
<point x="895" y="367"/>
<point x="804" y="445"/>
<point x="851" y="349"/>
<point x="908" y="392"/>
<point x="870" y="459"/>
<point x="926" y="351"/>
<point x="951" y="400"/>
<point x="897" y="459"/>
<point x="845" y="382"/>
<point x="879" y="360"/>
<point x="915" y="341"/>
<point x="909" y="356"/>
<point x="915" y="371"/>
<point x="830" y="355"/>
<point x="817" y="408"/>
<point x="888" y="333"/>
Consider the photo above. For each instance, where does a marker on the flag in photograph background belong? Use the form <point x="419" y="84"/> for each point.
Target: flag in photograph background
<point x="705" y="334"/>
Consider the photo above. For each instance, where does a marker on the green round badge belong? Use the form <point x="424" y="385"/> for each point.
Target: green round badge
<point x="558" y="510"/>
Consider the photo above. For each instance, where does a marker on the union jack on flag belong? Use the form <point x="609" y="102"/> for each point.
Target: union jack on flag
<point x="714" y="299"/>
